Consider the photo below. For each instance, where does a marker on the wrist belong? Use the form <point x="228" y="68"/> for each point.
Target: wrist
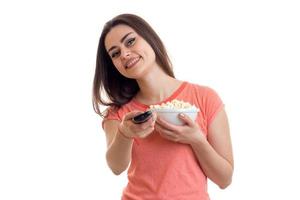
<point x="199" y="141"/>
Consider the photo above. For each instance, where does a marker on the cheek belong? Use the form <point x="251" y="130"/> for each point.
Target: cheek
<point x="118" y="65"/>
<point x="150" y="54"/>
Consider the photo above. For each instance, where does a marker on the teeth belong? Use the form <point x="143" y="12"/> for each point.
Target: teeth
<point x="132" y="62"/>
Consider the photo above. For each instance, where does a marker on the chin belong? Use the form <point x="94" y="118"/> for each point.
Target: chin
<point x="138" y="72"/>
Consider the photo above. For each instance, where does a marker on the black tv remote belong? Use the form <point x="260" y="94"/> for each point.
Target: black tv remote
<point x="143" y="117"/>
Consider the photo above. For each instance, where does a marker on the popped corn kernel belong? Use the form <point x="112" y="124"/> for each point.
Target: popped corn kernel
<point x="174" y="104"/>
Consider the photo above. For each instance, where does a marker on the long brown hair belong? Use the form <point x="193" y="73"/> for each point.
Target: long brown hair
<point x="119" y="89"/>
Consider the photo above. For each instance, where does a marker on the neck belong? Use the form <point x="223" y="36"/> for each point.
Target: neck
<point x="156" y="86"/>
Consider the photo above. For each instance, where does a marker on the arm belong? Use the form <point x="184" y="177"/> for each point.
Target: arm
<point x="119" y="144"/>
<point x="118" y="153"/>
<point x="215" y="154"/>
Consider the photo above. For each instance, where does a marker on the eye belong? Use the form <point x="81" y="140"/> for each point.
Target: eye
<point x="130" y="42"/>
<point x="115" y="54"/>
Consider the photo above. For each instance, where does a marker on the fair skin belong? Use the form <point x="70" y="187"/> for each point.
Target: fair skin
<point x="134" y="58"/>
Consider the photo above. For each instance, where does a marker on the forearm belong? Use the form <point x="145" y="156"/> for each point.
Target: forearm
<point x="216" y="168"/>
<point x="118" y="154"/>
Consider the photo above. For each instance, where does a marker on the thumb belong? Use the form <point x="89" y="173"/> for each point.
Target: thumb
<point x="185" y="118"/>
<point x="131" y="114"/>
<point x="154" y="117"/>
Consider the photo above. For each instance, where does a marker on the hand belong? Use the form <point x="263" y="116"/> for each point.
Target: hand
<point x="131" y="130"/>
<point x="187" y="133"/>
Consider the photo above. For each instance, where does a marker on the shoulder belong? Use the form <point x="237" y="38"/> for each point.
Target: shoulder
<point x="204" y="96"/>
<point x="110" y="110"/>
<point x="112" y="113"/>
<point x="118" y="111"/>
<point x="202" y="90"/>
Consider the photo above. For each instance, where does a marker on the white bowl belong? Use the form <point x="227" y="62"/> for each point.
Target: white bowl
<point x="172" y="115"/>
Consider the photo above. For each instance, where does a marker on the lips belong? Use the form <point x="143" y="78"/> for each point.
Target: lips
<point x="131" y="62"/>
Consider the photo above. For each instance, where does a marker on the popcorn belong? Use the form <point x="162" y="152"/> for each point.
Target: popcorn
<point x="174" y="104"/>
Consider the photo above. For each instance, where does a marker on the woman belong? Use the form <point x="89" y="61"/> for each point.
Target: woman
<point x="166" y="161"/>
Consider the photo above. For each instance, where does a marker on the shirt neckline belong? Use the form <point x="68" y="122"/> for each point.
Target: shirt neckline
<point x="170" y="98"/>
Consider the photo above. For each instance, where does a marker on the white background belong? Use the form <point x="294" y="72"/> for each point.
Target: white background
<point x="51" y="143"/>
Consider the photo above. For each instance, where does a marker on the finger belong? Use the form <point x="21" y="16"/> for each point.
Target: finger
<point x="146" y="132"/>
<point x="154" y="116"/>
<point x="168" y="135"/>
<point x="149" y="123"/>
<point x="166" y="125"/>
<point x="158" y="127"/>
<point x="185" y="118"/>
<point x="153" y="119"/>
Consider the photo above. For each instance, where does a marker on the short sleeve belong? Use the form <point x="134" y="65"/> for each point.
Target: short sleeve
<point x="111" y="114"/>
<point x="213" y="104"/>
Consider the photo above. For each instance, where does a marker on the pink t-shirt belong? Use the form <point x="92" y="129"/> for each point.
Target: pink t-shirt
<point x="164" y="170"/>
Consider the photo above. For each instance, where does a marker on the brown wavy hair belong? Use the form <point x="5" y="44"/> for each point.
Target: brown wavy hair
<point x="119" y="89"/>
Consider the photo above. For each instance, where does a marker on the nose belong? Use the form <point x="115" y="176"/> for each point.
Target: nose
<point x="125" y="53"/>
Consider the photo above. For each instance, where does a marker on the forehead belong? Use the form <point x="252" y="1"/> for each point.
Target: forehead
<point x="114" y="36"/>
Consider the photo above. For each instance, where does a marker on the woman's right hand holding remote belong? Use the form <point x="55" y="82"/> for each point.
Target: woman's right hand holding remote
<point x="131" y="130"/>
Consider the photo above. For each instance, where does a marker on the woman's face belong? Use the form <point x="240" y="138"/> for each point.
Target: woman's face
<point x="130" y="53"/>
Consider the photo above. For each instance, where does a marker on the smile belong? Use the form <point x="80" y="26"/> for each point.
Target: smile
<point x="130" y="63"/>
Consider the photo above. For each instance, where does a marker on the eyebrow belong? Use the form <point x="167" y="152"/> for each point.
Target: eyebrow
<point x="122" y="40"/>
